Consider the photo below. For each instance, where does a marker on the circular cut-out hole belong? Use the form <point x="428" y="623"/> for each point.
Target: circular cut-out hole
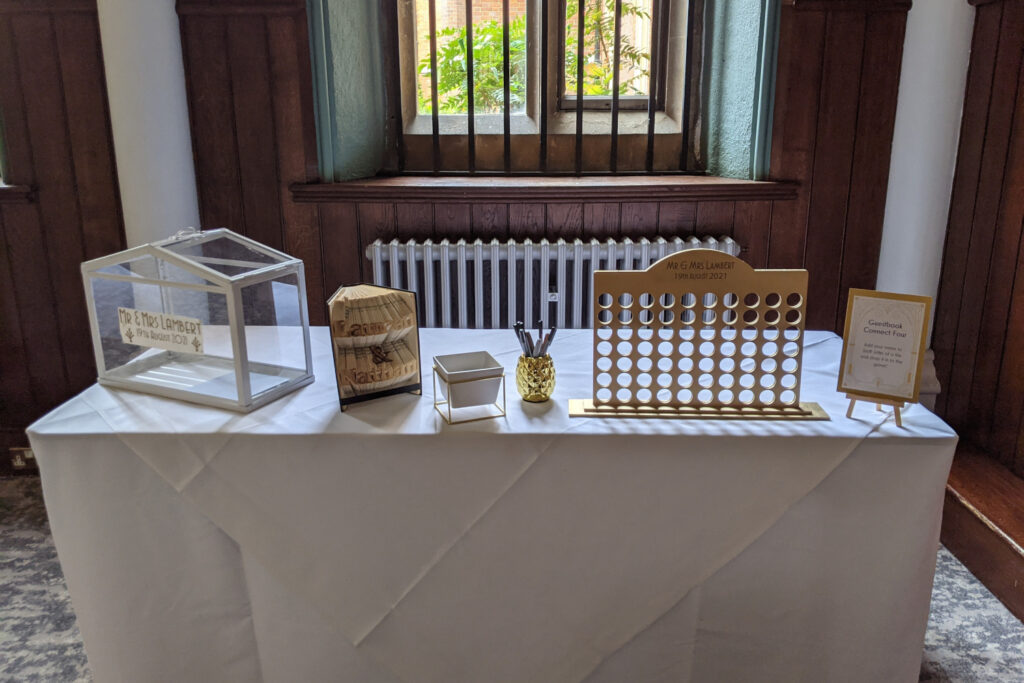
<point x="766" y="397"/>
<point x="772" y="300"/>
<point x="770" y="348"/>
<point x="686" y="348"/>
<point x="664" y="396"/>
<point x="750" y="317"/>
<point x="625" y="299"/>
<point x="666" y="333"/>
<point x="751" y="300"/>
<point x="665" y="348"/>
<point x="707" y="348"/>
<point x="664" y="380"/>
<point x="706" y="396"/>
<point x="624" y="395"/>
<point x="748" y="348"/>
<point x="687" y="333"/>
<point x="710" y="300"/>
<point x="624" y="348"/>
<point x="604" y="379"/>
<point x="624" y="333"/>
<point x="707" y="333"/>
<point x="685" y="380"/>
<point x="770" y="333"/>
<point x="706" y="364"/>
<point x="791" y="333"/>
<point x="604" y="363"/>
<point x="726" y="380"/>
<point x="646" y="317"/>
<point x="729" y="335"/>
<point x="625" y="316"/>
<point x="603" y="395"/>
<point x="665" y="364"/>
<point x="604" y="316"/>
<point x="643" y="395"/>
<point x="604" y="300"/>
<point x="767" y="381"/>
<point x="728" y="348"/>
<point x="725" y="396"/>
<point x="604" y="332"/>
<point x="667" y="300"/>
<point x="749" y="333"/>
<point x="729" y="317"/>
<point x="646" y="300"/>
<point x="706" y="380"/>
<point x="684" y="396"/>
<point x="685" y="364"/>
<point x="730" y="300"/>
<point x="746" y="397"/>
<point x="666" y="317"/>
<point x="788" y="381"/>
<point x="645" y="348"/>
<point x="625" y="364"/>
<point x="644" y="364"/>
<point x="747" y="381"/>
<point x="727" y="364"/>
<point x="645" y="333"/>
<point x="768" y="365"/>
<point x="788" y="397"/>
<point x="688" y="317"/>
<point x="794" y="300"/>
<point x="709" y="316"/>
<point x="789" y="365"/>
<point x="604" y="348"/>
<point x="791" y="348"/>
<point x="748" y="364"/>
<point x="688" y="300"/>
<point x="771" y="317"/>
<point x="793" y="316"/>
<point x="624" y="379"/>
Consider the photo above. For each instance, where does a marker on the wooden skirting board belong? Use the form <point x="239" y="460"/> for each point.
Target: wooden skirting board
<point x="983" y="524"/>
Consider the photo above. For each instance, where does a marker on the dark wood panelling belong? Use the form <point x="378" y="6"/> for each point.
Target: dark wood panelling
<point x="748" y="230"/>
<point x="60" y="153"/>
<point x="248" y="80"/>
<point x="601" y="219"/>
<point x="677" y="218"/>
<point x="343" y="263"/>
<point x="640" y="219"/>
<point x="980" y="309"/>
<point x="835" y="106"/>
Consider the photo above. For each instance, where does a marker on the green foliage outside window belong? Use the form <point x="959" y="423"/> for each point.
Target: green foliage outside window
<point x="488" y="65"/>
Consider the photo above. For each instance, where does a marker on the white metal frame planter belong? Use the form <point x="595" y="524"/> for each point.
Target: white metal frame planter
<point x="210" y="317"/>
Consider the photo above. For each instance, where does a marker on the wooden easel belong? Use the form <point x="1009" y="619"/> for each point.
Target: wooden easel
<point x="879" y="402"/>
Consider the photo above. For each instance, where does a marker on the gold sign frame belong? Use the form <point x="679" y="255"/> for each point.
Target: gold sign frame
<point x="699" y="334"/>
<point x="916" y="308"/>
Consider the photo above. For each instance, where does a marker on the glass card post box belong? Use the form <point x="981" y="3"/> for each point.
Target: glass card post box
<point x="209" y="317"/>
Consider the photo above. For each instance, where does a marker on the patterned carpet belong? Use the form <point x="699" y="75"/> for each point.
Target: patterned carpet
<point x="971" y="637"/>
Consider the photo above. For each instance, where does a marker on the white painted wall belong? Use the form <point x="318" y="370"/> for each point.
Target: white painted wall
<point x="936" y="52"/>
<point x="149" y="117"/>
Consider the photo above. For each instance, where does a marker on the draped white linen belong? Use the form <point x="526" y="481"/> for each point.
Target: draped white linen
<point x="300" y="543"/>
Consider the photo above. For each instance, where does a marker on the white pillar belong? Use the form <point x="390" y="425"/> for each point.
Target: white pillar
<point x="149" y="117"/>
<point x="936" y="52"/>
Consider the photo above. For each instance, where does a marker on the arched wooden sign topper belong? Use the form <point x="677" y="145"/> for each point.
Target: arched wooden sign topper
<point x="698" y="334"/>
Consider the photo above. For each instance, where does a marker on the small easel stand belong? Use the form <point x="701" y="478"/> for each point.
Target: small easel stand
<point x="879" y="402"/>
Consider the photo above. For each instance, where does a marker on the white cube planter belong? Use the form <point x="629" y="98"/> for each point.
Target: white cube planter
<point x="209" y="317"/>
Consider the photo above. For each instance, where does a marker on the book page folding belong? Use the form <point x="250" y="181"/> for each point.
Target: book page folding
<point x="699" y="334"/>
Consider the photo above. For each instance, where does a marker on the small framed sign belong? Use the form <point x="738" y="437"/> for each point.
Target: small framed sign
<point x="884" y="341"/>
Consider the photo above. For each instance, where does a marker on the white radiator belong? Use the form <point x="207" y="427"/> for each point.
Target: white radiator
<point x="493" y="284"/>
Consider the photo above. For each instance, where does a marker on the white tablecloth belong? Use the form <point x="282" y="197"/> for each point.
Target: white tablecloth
<point x="298" y="543"/>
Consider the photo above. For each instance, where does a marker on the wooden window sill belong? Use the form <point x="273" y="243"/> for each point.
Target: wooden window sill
<point x="17" y="194"/>
<point x="544" y="189"/>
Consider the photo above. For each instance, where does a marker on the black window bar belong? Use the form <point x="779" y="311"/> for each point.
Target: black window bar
<point x="655" y="99"/>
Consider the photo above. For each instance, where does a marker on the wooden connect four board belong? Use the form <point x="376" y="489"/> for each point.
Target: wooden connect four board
<point x="698" y="334"/>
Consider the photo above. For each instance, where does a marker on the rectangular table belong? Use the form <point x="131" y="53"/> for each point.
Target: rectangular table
<point x="381" y="545"/>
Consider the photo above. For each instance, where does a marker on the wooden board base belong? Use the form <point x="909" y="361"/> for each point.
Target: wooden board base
<point x="584" y="407"/>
